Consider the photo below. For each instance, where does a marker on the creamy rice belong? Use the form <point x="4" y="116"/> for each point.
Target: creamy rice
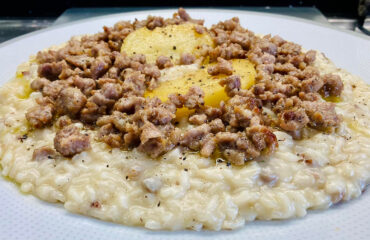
<point x="188" y="191"/>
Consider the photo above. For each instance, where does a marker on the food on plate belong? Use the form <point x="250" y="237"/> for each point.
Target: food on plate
<point x="171" y="41"/>
<point x="168" y="124"/>
<point x="181" y="80"/>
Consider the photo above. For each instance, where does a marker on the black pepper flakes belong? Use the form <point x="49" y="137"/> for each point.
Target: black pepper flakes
<point x="23" y="137"/>
<point x="174" y="47"/>
<point x="220" y="160"/>
<point x="228" y="164"/>
<point x="159" y="204"/>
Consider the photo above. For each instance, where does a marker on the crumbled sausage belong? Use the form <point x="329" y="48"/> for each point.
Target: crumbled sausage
<point x="99" y="66"/>
<point x="134" y="83"/>
<point x="164" y="62"/>
<point x="152" y="140"/>
<point x="217" y="125"/>
<point x="159" y="114"/>
<point x="108" y="135"/>
<point x="81" y="61"/>
<point x="310" y="56"/>
<point x="243" y="39"/>
<point x="232" y="85"/>
<point x="70" y="141"/>
<point x="194" y="97"/>
<point x="321" y="114"/>
<point x="187" y="58"/>
<point x="289" y="48"/>
<point x="312" y="84"/>
<point x="212" y="112"/>
<point x="47" y="56"/>
<point x="333" y="85"/>
<point x="155" y="22"/>
<point x="208" y="145"/>
<point x="70" y="101"/>
<point x="227" y="51"/>
<point x="192" y="137"/>
<point x="151" y="71"/>
<point x="42" y="153"/>
<point x="183" y="14"/>
<point x="121" y="60"/>
<point x="63" y="121"/>
<point x="222" y="67"/>
<point x="235" y="147"/>
<point x="86" y="85"/>
<point x="111" y="91"/>
<point x="39" y="83"/>
<point x="128" y="104"/>
<point x="199" y="29"/>
<point x="118" y="119"/>
<point x="53" y="88"/>
<point x="292" y="120"/>
<point x="51" y="71"/>
<point x="40" y="116"/>
<point x="198" y="119"/>
<point x="262" y="137"/>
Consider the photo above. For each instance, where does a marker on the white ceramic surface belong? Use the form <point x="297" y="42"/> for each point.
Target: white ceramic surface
<point x="25" y="217"/>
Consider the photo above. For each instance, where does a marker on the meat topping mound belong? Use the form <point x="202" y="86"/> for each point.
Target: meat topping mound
<point x="90" y="81"/>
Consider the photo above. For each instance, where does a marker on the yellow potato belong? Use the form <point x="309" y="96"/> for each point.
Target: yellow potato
<point x="170" y="41"/>
<point x="214" y="92"/>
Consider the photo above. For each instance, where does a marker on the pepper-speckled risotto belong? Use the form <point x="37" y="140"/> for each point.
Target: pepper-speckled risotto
<point x="168" y="124"/>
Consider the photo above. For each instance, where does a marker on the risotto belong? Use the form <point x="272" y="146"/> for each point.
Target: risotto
<point x="182" y="185"/>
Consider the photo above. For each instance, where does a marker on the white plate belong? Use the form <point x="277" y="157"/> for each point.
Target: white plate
<point x="25" y="217"/>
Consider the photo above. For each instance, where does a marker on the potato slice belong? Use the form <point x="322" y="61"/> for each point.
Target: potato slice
<point x="214" y="92"/>
<point x="170" y="41"/>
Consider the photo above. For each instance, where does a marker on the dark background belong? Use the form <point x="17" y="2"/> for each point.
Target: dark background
<point x="53" y="8"/>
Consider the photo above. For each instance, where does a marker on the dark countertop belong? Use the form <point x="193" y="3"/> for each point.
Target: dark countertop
<point x="13" y="27"/>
